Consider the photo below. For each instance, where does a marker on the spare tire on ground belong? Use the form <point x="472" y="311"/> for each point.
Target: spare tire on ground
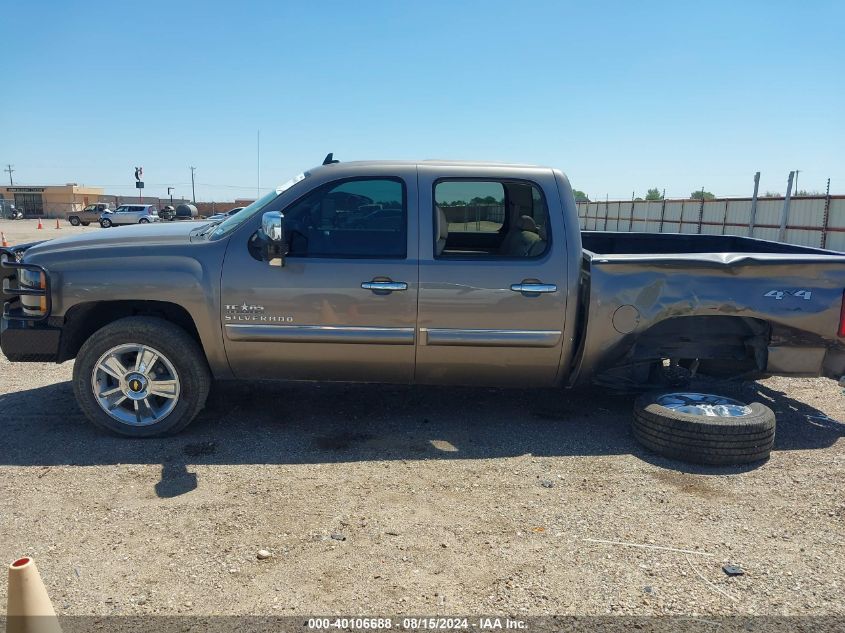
<point x="704" y="428"/>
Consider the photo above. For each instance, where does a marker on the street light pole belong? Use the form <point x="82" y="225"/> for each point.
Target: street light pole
<point x="193" y="189"/>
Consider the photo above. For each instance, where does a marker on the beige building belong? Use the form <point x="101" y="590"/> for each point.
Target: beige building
<point x="51" y="201"/>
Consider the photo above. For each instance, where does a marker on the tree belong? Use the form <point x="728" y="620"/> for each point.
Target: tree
<point x="484" y="200"/>
<point x="580" y="196"/>
<point x="654" y="194"/>
<point x="772" y="194"/>
<point x="701" y="195"/>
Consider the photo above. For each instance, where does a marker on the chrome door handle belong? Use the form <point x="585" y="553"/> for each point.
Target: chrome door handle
<point x="384" y="286"/>
<point x="534" y="288"/>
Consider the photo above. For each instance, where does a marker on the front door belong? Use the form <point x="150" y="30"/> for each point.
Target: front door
<point x="492" y="281"/>
<point x="343" y="306"/>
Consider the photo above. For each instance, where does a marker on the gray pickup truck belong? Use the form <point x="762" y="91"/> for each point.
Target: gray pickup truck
<point x="426" y="272"/>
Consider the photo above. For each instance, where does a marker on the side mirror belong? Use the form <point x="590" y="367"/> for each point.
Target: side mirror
<point x="276" y="245"/>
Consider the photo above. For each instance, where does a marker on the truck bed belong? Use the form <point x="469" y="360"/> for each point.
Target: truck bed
<point x="639" y="290"/>
<point x="617" y="243"/>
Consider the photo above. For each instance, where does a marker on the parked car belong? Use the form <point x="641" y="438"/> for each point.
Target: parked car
<point x="521" y="298"/>
<point x="167" y="213"/>
<point x="91" y="213"/>
<point x="222" y="216"/>
<point x="130" y="214"/>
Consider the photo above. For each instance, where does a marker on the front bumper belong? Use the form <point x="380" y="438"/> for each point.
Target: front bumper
<point x="23" y="341"/>
<point x="26" y="335"/>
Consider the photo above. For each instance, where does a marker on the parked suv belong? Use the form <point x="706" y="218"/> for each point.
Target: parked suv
<point x="91" y="213"/>
<point x="130" y="214"/>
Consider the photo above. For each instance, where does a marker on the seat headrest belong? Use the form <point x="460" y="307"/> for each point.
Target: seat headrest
<point x="442" y="224"/>
<point x="526" y="223"/>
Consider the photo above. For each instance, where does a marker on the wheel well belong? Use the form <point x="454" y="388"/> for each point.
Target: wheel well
<point x="706" y="338"/>
<point x="719" y="346"/>
<point x="82" y="320"/>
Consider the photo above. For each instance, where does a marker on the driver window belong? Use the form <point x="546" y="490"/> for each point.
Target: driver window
<point x="361" y="218"/>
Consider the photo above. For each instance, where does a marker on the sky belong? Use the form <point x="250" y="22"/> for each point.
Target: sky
<point x="621" y="96"/>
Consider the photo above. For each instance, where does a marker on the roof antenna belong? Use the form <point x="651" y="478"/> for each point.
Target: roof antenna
<point x="329" y="160"/>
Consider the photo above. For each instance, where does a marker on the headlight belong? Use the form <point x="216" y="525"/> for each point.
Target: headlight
<point x="32" y="279"/>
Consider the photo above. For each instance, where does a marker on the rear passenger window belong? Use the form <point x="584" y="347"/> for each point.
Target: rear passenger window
<point x="489" y="218"/>
<point x="360" y="218"/>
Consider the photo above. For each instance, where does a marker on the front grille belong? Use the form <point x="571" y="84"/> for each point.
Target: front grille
<point x="12" y="290"/>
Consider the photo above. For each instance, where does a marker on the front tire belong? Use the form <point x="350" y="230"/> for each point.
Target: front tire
<point x="141" y="377"/>
<point x="704" y="428"/>
<point x="143" y="221"/>
<point x="74" y="221"/>
<point x="105" y="223"/>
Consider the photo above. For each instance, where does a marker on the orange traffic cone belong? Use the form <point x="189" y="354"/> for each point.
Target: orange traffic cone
<point x="29" y="609"/>
<point x="4" y="243"/>
<point x="40" y="226"/>
<point x="57" y="223"/>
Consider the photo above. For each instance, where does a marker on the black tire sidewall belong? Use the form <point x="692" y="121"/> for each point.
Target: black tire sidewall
<point x="74" y="221"/>
<point x="704" y="439"/>
<point x="181" y="350"/>
<point x="761" y="417"/>
<point x="105" y="223"/>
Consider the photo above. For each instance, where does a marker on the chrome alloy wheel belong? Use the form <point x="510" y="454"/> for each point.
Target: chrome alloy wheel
<point x="704" y="404"/>
<point x="135" y="384"/>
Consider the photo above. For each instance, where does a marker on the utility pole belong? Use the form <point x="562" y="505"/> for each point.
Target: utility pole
<point x="784" y="216"/>
<point x="258" y="168"/>
<point x="10" y="170"/>
<point x="826" y="215"/>
<point x="193" y="189"/>
<point x="754" y="205"/>
<point x="797" y="171"/>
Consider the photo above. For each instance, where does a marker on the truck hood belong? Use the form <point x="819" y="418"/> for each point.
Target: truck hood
<point x="154" y="234"/>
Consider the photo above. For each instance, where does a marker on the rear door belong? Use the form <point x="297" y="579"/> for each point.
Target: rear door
<point x="492" y="278"/>
<point x="344" y="305"/>
<point x="126" y="215"/>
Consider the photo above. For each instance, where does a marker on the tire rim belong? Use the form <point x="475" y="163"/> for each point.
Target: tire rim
<point x="135" y="384"/>
<point x="705" y="404"/>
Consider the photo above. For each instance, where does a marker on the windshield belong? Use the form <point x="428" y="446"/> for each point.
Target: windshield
<point x="235" y="220"/>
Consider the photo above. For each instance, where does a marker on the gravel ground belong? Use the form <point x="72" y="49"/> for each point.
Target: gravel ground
<point x="393" y="500"/>
<point x="22" y="231"/>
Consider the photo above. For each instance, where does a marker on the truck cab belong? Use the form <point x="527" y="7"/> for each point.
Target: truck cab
<point x="455" y="279"/>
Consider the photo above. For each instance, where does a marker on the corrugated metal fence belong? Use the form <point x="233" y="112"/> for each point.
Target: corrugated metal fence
<point x="809" y="220"/>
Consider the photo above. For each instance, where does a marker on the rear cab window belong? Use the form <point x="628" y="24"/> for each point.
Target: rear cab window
<point x="480" y="218"/>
